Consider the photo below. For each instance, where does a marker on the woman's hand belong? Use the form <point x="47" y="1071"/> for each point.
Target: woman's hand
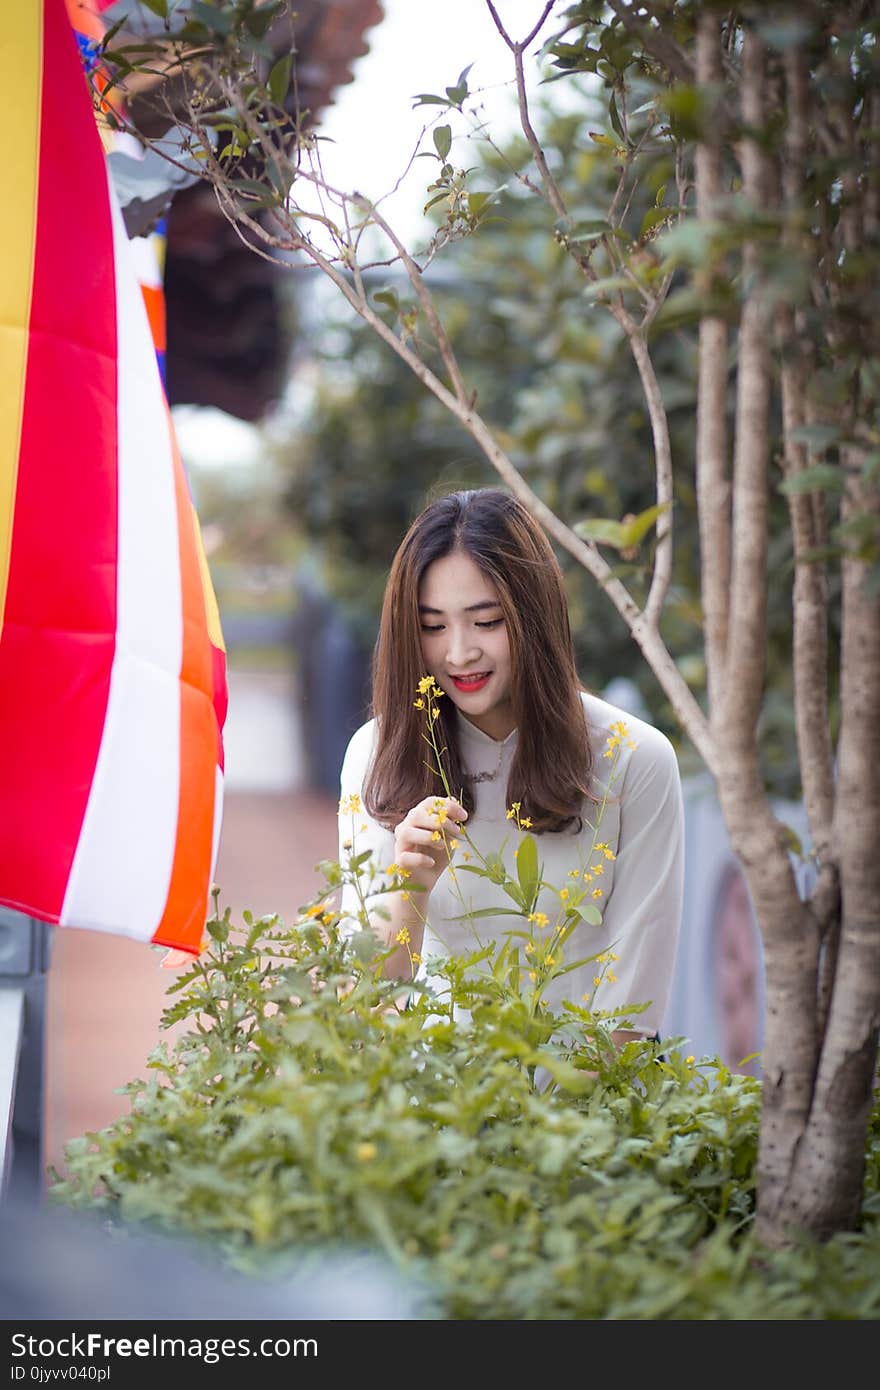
<point x="422" y="839"/>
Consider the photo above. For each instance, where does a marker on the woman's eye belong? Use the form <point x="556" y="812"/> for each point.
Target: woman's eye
<point x="426" y="627"/>
<point x="493" y="622"/>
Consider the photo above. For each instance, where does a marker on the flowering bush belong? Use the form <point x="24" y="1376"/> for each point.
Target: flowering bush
<point x="511" y="1162"/>
<point x="304" y="1111"/>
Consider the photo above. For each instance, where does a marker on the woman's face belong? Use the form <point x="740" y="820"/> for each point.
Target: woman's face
<point x="464" y="642"/>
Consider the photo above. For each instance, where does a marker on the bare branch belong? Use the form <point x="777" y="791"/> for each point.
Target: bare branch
<point x="427" y="302"/>
<point x="551" y="188"/>
<point x="534" y="33"/>
<point x="662" y="575"/>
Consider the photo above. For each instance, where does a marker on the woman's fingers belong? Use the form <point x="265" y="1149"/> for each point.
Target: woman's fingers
<point x="410" y="859"/>
<point x="436" y="811"/>
<point x="414" y="835"/>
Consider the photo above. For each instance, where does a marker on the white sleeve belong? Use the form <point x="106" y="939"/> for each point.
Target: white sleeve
<point x="358" y="832"/>
<point x="643" y="911"/>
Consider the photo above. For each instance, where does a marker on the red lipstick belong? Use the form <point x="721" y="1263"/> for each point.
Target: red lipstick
<point x="469" y="683"/>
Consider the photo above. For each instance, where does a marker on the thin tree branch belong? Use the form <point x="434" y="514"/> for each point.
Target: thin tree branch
<point x="713" y="483"/>
<point x="662" y="575"/>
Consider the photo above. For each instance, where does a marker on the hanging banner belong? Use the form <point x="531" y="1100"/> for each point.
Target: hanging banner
<point x="112" y="663"/>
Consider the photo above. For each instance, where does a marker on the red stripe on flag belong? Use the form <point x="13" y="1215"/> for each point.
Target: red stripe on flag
<point x="221" y="695"/>
<point x="186" y="909"/>
<point x="59" y="627"/>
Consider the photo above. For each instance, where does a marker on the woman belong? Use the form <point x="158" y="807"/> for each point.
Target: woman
<point x="476" y="599"/>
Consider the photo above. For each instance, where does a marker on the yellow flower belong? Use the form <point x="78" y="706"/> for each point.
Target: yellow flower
<point x="510" y="814"/>
<point x="563" y="895"/>
<point x="439" y="810"/>
<point x="465" y="854"/>
<point x="539" y="918"/>
<point x="453" y="844"/>
<point x="619" y="728"/>
<point x="365" y="1152"/>
<point x="532" y="976"/>
<point x="406" y="895"/>
<point x="416" y="958"/>
<point x="611" y="977"/>
<point x="316" y="911"/>
<point x="574" y="873"/>
<point x="419" y="703"/>
<point x="550" y="960"/>
<point x="588" y="878"/>
<point x="351" y="804"/>
<point x="437" y="692"/>
<point x="597" y="979"/>
<point x="425" y="684"/>
<point x="690" y="1060"/>
<point x="435" y="714"/>
<point x="526" y="823"/>
<point x="402" y="937"/>
<point x="597" y="869"/>
<point x="631" y="743"/>
<point x="530" y="948"/>
<point x="597" y="893"/>
<point x="435" y="835"/>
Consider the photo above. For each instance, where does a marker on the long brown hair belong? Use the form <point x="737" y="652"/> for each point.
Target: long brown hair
<point x="552" y="764"/>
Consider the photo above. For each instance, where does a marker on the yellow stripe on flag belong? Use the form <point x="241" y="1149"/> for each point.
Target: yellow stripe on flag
<point x="20" y="78"/>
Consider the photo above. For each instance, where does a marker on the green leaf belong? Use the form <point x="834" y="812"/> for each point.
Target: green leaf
<point x="614" y="114"/>
<point x="590" y="229"/>
<point x="622" y="535"/>
<point x="429" y="99"/>
<point x="527" y="869"/>
<point x="822" y="477"/>
<point x="159" y="7"/>
<point x="459" y="92"/>
<point x="279" y="79"/>
<point x="654" y="217"/>
<point x="597" y="288"/>
<point x="443" y="140"/>
<point x="477" y="202"/>
<point x="818" y="437"/>
<point x="590" y="913"/>
<point x="388" y="296"/>
<point x="487" y="912"/>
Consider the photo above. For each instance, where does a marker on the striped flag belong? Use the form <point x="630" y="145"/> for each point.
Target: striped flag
<point x="112" y="664"/>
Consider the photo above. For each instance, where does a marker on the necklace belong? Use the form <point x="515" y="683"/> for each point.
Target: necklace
<point x="491" y="774"/>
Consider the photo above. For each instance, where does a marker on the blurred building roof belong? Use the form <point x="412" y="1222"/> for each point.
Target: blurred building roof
<point x="229" y="337"/>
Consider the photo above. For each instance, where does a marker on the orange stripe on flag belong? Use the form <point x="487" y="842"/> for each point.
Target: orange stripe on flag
<point x="154" y="299"/>
<point x="183" y="921"/>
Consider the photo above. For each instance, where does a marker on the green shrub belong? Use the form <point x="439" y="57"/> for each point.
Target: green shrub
<point x="513" y="1164"/>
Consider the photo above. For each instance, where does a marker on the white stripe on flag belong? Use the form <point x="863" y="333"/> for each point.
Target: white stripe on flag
<point x="122" y="867"/>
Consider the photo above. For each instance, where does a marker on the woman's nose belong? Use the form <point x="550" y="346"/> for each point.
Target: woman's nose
<point x="461" y="650"/>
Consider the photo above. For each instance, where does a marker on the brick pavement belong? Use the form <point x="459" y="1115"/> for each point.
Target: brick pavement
<point x="106" y="993"/>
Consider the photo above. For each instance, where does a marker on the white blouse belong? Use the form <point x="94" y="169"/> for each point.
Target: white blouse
<point x="641" y="887"/>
